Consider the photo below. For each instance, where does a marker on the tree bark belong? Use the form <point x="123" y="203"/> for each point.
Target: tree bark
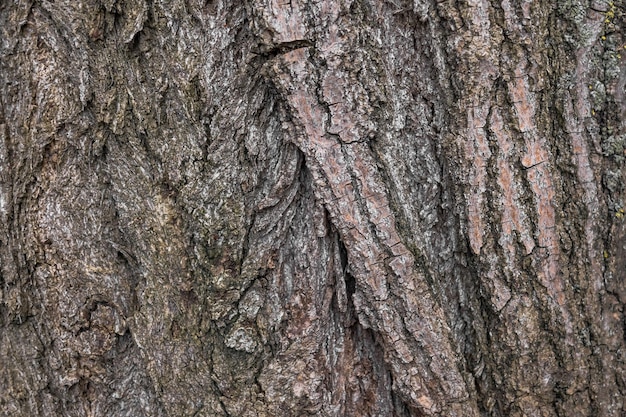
<point x="334" y="208"/>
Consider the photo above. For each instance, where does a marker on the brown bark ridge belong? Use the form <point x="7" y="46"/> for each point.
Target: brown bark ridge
<point x="332" y="207"/>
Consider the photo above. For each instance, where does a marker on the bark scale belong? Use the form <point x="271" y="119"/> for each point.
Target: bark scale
<point x="328" y="208"/>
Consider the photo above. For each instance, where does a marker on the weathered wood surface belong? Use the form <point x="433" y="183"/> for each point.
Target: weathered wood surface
<point x="334" y="207"/>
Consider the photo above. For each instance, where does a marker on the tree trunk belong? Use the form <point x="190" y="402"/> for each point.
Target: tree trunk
<point x="333" y="207"/>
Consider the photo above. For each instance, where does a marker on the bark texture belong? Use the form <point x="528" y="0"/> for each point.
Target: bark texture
<point x="332" y="207"/>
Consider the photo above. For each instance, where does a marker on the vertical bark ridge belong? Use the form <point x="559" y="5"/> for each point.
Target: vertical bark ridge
<point x="334" y="142"/>
<point x="518" y="158"/>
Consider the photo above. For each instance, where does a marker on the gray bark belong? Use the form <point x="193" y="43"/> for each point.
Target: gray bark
<point x="355" y="207"/>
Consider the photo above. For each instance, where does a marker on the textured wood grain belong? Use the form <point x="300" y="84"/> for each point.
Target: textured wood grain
<point x="334" y="208"/>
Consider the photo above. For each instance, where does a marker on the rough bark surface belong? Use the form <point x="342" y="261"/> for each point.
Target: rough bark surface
<point x="333" y="207"/>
